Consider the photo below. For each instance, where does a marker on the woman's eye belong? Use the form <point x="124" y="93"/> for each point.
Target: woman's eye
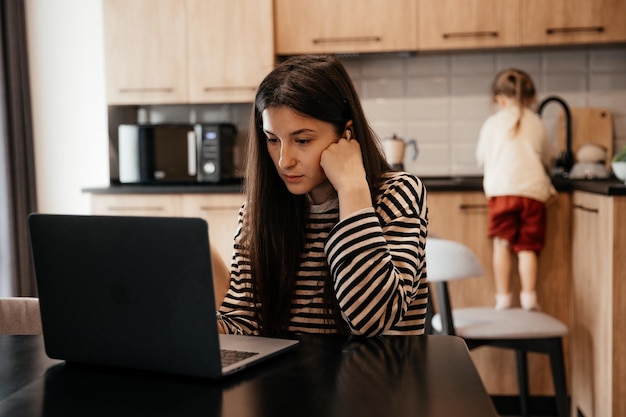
<point x="303" y="141"/>
<point x="272" y="140"/>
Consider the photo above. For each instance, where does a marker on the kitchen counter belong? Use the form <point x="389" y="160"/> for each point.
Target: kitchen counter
<point x="611" y="187"/>
<point x="461" y="183"/>
<point x="603" y="187"/>
<point x="234" y="186"/>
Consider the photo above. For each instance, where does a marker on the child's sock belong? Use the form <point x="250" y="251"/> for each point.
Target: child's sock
<point x="503" y="301"/>
<point x="528" y="300"/>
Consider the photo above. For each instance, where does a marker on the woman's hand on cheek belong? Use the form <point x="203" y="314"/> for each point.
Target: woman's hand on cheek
<point x="342" y="163"/>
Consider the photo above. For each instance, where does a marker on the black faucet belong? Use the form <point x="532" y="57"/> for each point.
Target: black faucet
<point x="565" y="161"/>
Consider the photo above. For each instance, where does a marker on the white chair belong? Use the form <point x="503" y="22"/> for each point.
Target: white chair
<point x="20" y="316"/>
<point x="514" y="328"/>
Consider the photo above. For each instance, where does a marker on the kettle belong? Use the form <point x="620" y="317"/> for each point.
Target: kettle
<point x="394" y="149"/>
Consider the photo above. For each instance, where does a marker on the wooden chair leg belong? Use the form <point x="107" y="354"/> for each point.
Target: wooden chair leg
<point x="522" y="378"/>
<point x="557" y="364"/>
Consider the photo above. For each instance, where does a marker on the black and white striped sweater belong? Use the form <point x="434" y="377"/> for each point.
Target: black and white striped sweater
<point x="377" y="263"/>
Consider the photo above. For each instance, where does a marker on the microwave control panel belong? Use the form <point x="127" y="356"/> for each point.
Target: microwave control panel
<point x="216" y="144"/>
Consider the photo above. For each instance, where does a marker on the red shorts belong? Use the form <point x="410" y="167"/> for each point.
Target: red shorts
<point x="519" y="220"/>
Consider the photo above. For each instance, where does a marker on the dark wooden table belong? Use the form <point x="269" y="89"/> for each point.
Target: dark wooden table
<point x="429" y="376"/>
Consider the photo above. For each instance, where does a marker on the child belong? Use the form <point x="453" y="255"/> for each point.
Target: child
<point x="330" y="239"/>
<point x="516" y="156"/>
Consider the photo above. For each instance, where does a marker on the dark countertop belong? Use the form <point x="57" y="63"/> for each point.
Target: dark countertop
<point x="235" y="186"/>
<point x="610" y="187"/>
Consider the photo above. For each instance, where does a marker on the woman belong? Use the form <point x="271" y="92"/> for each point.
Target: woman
<point x="330" y="240"/>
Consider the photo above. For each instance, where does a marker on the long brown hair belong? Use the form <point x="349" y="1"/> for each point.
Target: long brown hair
<point x="516" y="84"/>
<point x="275" y="219"/>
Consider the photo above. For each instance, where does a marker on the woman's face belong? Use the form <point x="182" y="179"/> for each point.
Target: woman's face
<point x="295" y="143"/>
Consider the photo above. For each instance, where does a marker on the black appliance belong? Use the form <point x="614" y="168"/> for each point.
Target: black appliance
<point x="176" y="153"/>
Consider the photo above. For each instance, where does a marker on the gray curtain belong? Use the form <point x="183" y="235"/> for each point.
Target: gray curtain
<point x="17" y="175"/>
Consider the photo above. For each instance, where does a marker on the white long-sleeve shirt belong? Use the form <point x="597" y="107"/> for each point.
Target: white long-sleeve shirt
<point x="515" y="165"/>
<point x="377" y="265"/>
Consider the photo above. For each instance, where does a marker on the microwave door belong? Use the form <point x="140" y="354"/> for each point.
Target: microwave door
<point x="174" y="154"/>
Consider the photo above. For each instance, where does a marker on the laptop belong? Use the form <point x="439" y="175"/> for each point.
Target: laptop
<point x="135" y="292"/>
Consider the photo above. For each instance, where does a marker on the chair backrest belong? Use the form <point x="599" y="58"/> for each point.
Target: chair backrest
<point x="448" y="260"/>
<point x="20" y="316"/>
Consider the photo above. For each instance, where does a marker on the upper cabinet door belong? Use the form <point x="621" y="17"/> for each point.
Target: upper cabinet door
<point x="467" y="24"/>
<point x="552" y="22"/>
<point x="231" y="48"/>
<point x="344" y="26"/>
<point x="146" y="51"/>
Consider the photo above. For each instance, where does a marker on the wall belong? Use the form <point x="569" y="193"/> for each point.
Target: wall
<point x="68" y="101"/>
<point x="438" y="99"/>
<point x="441" y="100"/>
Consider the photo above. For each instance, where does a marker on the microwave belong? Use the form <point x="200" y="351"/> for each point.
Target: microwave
<point x="176" y="153"/>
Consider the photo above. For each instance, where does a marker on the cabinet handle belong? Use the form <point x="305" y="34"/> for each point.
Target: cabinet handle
<point x="147" y="90"/>
<point x="587" y="209"/>
<point x="213" y="208"/>
<point x="554" y="31"/>
<point x="491" y="34"/>
<point x="472" y="206"/>
<point x="121" y="208"/>
<point x="348" y="39"/>
<point x="208" y="89"/>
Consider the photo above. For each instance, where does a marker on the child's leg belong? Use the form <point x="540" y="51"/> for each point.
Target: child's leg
<point x="502" y="272"/>
<point x="527" y="265"/>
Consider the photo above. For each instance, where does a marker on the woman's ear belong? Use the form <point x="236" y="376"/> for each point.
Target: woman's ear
<point x="349" y="128"/>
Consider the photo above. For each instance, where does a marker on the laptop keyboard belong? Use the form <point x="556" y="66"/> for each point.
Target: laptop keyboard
<point x="231" y="356"/>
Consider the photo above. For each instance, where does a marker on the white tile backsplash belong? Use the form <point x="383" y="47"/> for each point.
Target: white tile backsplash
<point x="383" y="67"/>
<point x="388" y="129"/>
<point x="565" y="61"/>
<point x="429" y="132"/>
<point x="473" y="63"/>
<point x="384" y="110"/>
<point x="470" y="85"/>
<point x="447" y="97"/>
<point x="429" y="65"/>
<point x="528" y="61"/>
<point x="607" y="59"/>
<point x="429" y="109"/>
<point x="433" y="86"/>
<point x="609" y="81"/>
<point x="471" y="107"/>
<point x="442" y="99"/>
<point x="382" y="87"/>
<point x="562" y="83"/>
<point x="465" y="132"/>
<point x="433" y="160"/>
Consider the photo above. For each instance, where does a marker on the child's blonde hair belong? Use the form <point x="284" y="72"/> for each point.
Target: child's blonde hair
<point x="516" y="84"/>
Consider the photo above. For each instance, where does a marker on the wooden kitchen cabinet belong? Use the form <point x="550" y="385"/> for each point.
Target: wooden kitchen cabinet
<point x="145" y="51"/>
<point x="598" y="308"/>
<point x="345" y="26"/>
<point x="468" y="24"/>
<point x="162" y="205"/>
<point x="561" y="22"/>
<point x="220" y="211"/>
<point x="231" y="49"/>
<point x="462" y="216"/>
<point x="186" y="51"/>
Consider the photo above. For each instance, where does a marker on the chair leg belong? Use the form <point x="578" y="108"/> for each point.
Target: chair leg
<point x="557" y="363"/>
<point x="522" y="378"/>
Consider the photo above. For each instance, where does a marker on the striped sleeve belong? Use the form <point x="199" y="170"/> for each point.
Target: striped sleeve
<point x="377" y="261"/>
<point x="237" y="312"/>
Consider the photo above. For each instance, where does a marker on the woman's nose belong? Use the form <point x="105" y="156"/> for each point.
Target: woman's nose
<point x="287" y="159"/>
